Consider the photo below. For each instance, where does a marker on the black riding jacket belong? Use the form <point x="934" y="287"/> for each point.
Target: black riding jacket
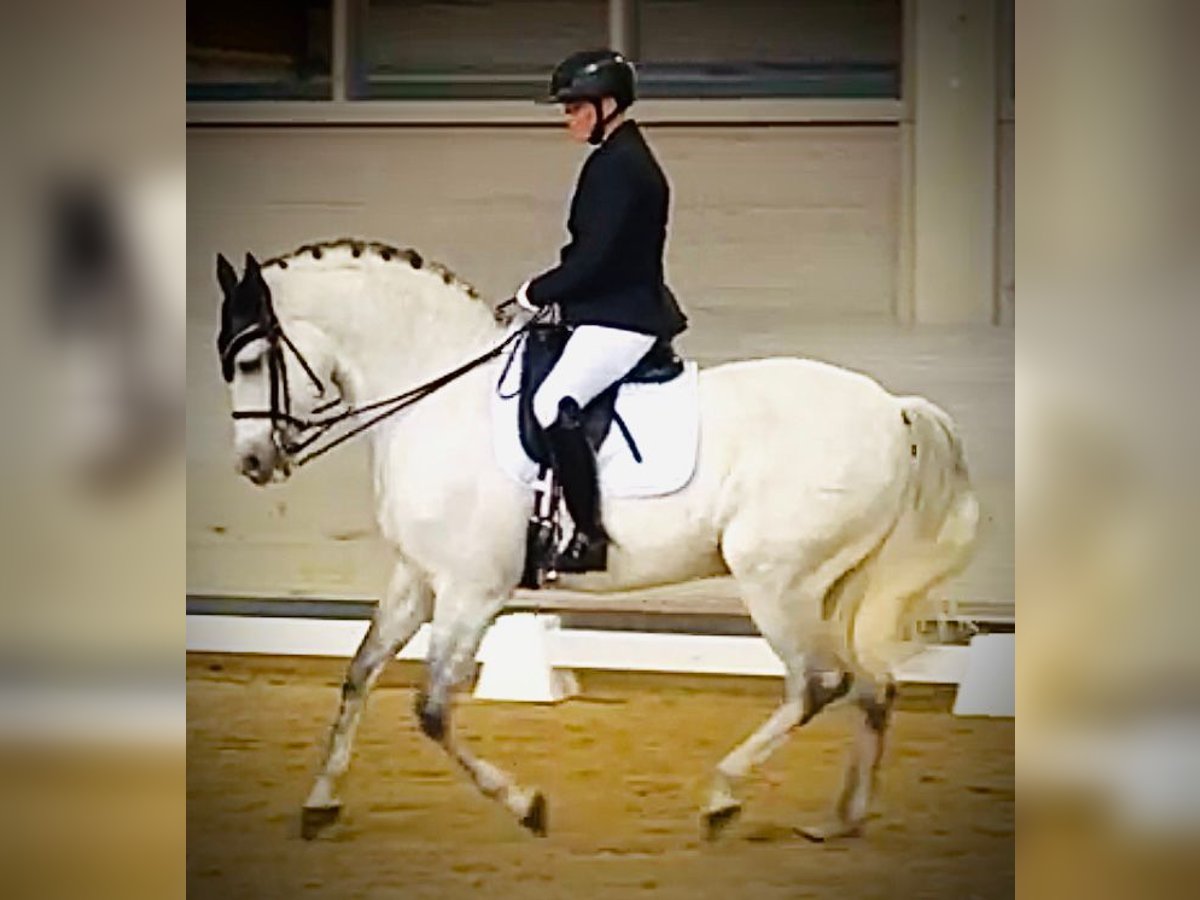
<point x="611" y="271"/>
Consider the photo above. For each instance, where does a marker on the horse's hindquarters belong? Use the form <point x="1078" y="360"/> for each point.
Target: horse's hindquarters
<point x="796" y="461"/>
<point x="931" y="541"/>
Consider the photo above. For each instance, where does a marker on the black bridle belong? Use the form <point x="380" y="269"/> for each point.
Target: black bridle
<point x="313" y="429"/>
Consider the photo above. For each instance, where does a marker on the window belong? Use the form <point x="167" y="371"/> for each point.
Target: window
<point x="505" y="49"/>
<point x="1008" y="51"/>
<point x="474" y="48"/>
<point x="765" y="48"/>
<point x="263" y="50"/>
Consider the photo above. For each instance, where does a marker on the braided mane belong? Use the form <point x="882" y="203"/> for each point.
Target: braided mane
<point x="359" y="248"/>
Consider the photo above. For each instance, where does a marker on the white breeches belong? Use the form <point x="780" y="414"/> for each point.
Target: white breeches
<point x="594" y="358"/>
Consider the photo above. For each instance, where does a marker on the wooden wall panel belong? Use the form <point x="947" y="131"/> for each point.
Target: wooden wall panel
<point x="783" y="242"/>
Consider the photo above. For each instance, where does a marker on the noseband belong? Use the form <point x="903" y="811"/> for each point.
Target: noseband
<point x="280" y="411"/>
<point x="313" y="429"/>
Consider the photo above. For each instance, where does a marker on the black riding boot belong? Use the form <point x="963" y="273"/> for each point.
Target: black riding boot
<point x="575" y="467"/>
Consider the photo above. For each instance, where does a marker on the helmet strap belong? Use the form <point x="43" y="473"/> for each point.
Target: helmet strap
<point x="602" y="121"/>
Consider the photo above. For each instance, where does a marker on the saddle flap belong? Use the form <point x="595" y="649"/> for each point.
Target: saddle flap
<point x="543" y="346"/>
<point x="540" y="350"/>
<point x="663" y="418"/>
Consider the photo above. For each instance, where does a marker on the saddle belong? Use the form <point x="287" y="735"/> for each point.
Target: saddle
<point x="543" y="346"/>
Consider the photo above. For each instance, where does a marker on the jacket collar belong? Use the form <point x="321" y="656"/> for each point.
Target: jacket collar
<point x="622" y="132"/>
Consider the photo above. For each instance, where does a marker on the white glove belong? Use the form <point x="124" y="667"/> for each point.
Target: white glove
<point x="523" y="298"/>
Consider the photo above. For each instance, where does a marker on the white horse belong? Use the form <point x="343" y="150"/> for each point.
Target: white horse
<point x="832" y="503"/>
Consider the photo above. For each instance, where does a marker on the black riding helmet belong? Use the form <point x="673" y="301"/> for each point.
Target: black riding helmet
<point x="593" y="75"/>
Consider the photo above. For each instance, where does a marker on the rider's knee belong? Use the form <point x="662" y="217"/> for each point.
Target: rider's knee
<point x="569" y="413"/>
<point x="550" y="409"/>
<point x="545" y="407"/>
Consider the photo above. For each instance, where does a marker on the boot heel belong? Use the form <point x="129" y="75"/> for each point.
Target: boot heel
<point x="583" y="554"/>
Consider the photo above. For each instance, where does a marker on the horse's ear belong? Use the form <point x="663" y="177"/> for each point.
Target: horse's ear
<point x="252" y="267"/>
<point x="226" y="276"/>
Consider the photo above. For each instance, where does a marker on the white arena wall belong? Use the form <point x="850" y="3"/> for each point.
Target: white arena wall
<point x="785" y="240"/>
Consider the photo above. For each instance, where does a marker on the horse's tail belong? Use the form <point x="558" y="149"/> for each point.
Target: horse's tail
<point x="942" y="499"/>
<point x="931" y="540"/>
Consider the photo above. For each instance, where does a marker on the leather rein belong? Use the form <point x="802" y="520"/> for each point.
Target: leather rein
<point x="313" y="429"/>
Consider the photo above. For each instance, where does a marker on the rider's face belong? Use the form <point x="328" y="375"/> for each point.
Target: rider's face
<point x="581" y="119"/>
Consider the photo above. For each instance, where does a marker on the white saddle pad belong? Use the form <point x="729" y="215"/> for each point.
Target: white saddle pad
<point x="664" y="420"/>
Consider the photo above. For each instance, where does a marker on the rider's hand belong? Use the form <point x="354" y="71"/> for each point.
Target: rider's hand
<point x="523" y="300"/>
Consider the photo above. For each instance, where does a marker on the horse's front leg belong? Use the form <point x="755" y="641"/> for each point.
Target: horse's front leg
<point x="460" y="618"/>
<point x="404" y="608"/>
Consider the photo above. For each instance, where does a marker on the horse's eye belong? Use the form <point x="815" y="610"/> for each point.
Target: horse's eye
<point x="250" y="366"/>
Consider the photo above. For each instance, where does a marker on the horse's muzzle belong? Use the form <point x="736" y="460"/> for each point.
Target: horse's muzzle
<point x="257" y="467"/>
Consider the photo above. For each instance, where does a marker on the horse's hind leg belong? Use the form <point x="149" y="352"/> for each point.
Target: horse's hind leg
<point x="461" y="616"/>
<point x="876" y="701"/>
<point x="402" y="611"/>
<point x="787" y="611"/>
<point x="900" y="573"/>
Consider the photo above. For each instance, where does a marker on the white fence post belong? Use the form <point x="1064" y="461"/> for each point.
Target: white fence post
<point x="517" y="662"/>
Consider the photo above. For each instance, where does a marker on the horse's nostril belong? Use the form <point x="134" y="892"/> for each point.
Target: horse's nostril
<point x="252" y="463"/>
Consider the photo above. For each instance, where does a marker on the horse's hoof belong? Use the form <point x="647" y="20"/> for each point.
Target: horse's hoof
<point x="717" y="820"/>
<point x="535" y="819"/>
<point x="819" y="834"/>
<point x="315" y="819"/>
<point x="431" y="717"/>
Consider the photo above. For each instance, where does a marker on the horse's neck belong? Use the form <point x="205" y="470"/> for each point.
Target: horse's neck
<point x="456" y="411"/>
<point x="387" y="341"/>
<point x="383" y="370"/>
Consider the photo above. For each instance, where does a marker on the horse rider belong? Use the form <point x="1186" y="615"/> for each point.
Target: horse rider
<point x="608" y="284"/>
